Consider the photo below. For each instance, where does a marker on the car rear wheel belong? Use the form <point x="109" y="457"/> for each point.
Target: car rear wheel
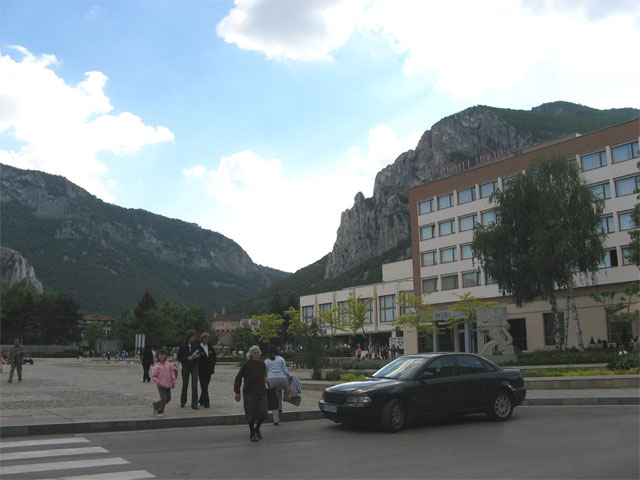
<point x="393" y="416"/>
<point x="501" y="406"/>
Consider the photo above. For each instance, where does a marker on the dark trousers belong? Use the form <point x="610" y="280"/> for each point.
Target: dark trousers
<point x="165" y="397"/>
<point x="186" y="374"/>
<point x="205" y="378"/>
<point x="15" y="366"/>
<point x="145" y="373"/>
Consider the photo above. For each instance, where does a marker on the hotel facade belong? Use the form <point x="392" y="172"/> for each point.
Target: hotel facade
<point x="443" y="216"/>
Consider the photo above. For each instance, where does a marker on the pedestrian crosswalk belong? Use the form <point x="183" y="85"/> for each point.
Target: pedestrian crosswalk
<point x="59" y="458"/>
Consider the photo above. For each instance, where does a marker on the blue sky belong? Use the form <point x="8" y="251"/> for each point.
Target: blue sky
<point x="262" y="119"/>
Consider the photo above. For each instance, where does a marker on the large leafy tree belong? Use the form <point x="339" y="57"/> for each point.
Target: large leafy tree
<point x="147" y="302"/>
<point x="296" y="327"/>
<point x="158" y="328"/>
<point x="243" y="338"/>
<point x="332" y="318"/>
<point x="634" y="247"/>
<point x="186" y="318"/>
<point x="269" y="327"/>
<point x="548" y="229"/>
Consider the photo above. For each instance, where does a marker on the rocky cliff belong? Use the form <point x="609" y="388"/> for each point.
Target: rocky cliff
<point x="15" y="268"/>
<point x="107" y="256"/>
<point x="377" y="224"/>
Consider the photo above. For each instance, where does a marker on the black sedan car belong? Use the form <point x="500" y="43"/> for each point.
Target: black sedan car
<point x="415" y="387"/>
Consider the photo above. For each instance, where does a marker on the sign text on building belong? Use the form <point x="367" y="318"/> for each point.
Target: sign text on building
<point x="479" y="161"/>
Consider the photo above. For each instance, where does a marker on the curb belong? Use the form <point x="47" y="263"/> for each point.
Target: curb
<point x="144" y="424"/>
<point x="540" y="402"/>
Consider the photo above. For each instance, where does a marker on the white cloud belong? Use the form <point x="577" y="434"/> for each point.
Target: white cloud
<point x="62" y="128"/>
<point x="291" y="29"/>
<point x="502" y="52"/>
<point x="288" y="223"/>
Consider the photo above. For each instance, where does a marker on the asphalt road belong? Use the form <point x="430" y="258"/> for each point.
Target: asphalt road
<point x="587" y="442"/>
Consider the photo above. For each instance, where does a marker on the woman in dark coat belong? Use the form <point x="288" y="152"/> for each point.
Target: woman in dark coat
<point x="206" y="367"/>
<point x="254" y="374"/>
<point x="147" y="361"/>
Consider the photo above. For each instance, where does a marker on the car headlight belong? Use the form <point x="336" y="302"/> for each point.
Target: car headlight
<point x="358" y="399"/>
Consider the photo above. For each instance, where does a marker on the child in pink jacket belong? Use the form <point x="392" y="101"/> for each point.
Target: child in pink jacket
<point x="164" y="377"/>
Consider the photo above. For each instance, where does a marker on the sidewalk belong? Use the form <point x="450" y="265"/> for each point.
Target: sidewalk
<point x="63" y="396"/>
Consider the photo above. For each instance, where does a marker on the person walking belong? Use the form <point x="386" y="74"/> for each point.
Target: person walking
<point x="254" y="375"/>
<point x="278" y="377"/>
<point x="147" y="361"/>
<point x="164" y="376"/>
<point x="188" y="356"/>
<point x="16" y="358"/>
<point x="206" y="367"/>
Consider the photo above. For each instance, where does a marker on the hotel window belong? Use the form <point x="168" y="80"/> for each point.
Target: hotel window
<point x="387" y="308"/>
<point x="606" y="224"/>
<point x="344" y="311"/>
<point x="489" y="280"/>
<point x="429" y="285"/>
<point x="470" y="279"/>
<point x="404" y="310"/>
<point x="450" y="282"/>
<point x="488" y="188"/>
<point x="602" y="190"/>
<point x="468" y="223"/>
<point x="448" y="255"/>
<point x="447" y="228"/>
<point x="445" y="201"/>
<point x="325" y="307"/>
<point x="466" y="196"/>
<point x="506" y="182"/>
<point x="626" y="256"/>
<point x="625" y="221"/>
<point x="425" y="206"/>
<point x="625" y="152"/>
<point x="427" y="232"/>
<point x="368" y="303"/>
<point x="594" y="160"/>
<point x="627" y="186"/>
<point x="548" y="321"/>
<point x="307" y="314"/>
<point x="429" y="258"/>
<point x="466" y="252"/>
<point x="488" y="217"/>
<point x="610" y="259"/>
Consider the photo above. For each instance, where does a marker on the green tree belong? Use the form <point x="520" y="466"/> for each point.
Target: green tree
<point x="332" y="318"/>
<point x="276" y="306"/>
<point x="157" y="327"/>
<point x="357" y="309"/>
<point x="244" y="338"/>
<point x="186" y="318"/>
<point x="62" y="320"/>
<point x="418" y="314"/>
<point x="548" y="228"/>
<point x="313" y="349"/>
<point x="618" y="311"/>
<point x="147" y="302"/>
<point x="296" y="328"/>
<point x="269" y="327"/>
<point x="466" y="308"/>
<point x="124" y="328"/>
<point x="92" y="333"/>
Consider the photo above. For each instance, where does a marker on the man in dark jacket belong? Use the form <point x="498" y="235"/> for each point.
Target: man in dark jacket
<point x="188" y="356"/>
<point x="206" y="367"/>
<point x="147" y="361"/>
<point x="16" y="357"/>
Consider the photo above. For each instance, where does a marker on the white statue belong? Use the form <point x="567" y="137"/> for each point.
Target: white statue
<point x="492" y="321"/>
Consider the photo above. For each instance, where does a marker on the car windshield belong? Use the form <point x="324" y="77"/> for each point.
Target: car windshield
<point x="404" y="368"/>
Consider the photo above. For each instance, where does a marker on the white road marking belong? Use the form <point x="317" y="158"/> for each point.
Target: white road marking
<point x="43" y="467"/>
<point x="50" y="441"/>
<point x="59" y="452"/>
<point x="131" y="475"/>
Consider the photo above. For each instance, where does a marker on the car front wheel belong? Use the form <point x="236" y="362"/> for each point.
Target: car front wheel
<point x="392" y="417"/>
<point x="501" y="406"/>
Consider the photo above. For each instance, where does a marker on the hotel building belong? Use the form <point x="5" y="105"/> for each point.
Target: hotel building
<point x="443" y="216"/>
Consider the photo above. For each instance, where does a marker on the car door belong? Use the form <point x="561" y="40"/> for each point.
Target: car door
<point x="476" y="382"/>
<point x="438" y="392"/>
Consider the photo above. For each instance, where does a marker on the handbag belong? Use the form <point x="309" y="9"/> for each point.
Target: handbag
<point x="272" y="399"/>
<point x="292" y="396"/>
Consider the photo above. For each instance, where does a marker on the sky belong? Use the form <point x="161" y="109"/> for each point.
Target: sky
<point x="262" y="119"/>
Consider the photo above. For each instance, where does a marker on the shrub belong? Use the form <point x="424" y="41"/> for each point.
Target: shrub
<point x="333" y="375"/>
<point x="564" y="357"/>
<point x="351" y="377"/>
<point x="625" y="362"/>
<point x="363" y="364"/>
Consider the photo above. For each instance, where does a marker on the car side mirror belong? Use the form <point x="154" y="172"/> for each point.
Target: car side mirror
<point x="426" y="376"/>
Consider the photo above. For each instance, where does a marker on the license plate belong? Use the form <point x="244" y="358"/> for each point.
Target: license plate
<point x="329" y="408"/>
